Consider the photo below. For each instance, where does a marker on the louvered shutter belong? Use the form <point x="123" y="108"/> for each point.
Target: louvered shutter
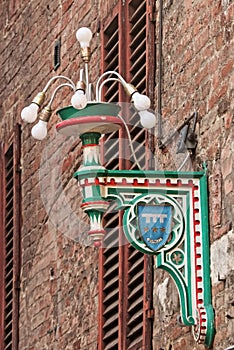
<point x="109" y="258"/>
<point x="140" y="265"/>
<point x="125" y="283"/>
<point x="10" y="242"/>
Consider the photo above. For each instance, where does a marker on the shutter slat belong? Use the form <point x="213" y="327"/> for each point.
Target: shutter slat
<point x="135" y="318"/>
<point x="112" y="164"/>
<point x="9" y="225"/>
<point x="9" y="264"/>
<point x="111" y="320"/>
<point x="111" y="308"/>
<point x="9" y="159"/>
<point x="137" y="264"/>
<point x="138" y="79"/>
<point x="9" y="291"/>
<point x="136" y="329"/>
<point x="139" y="300"/>
<point x="9" y="342"/>
<point x="111" y="283"/>
<point x="9" y="213"/>
<point x="139" y="61"/>
<point x="111" y="91"/>
<point x="112" y="221"/>
<point x="9" y="180"/>
<point x="9" y="194"/>
<point x="9" y="304"/>
<point x="137" y="289"/>
<point x="135" y="278"/>
<point x="111" y="270"/>
<point x="113" y="37"/>
<point x="136" y="341"/>
<point x="112" y="240"/>
<point x="110" y="295"/>
<point x="111" y="144"/>
<point x="132" y="254"/>
<point x="139" y="39"/>
<point x="110" y="332"/>
<point x="113" y="98"/>
<point x="112" y="52"/>
<point x="8" y="324"/>
<point x="111" y="258"/>
<point x="112" y="345"/>
<point x="139" y="12"/>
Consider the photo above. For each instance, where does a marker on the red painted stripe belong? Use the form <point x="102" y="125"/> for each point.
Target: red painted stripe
<point x="90" y="145"/>
<point x="87" y="120"/>
<point x="97" y="202"/>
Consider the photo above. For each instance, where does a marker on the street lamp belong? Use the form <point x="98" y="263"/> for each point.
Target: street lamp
<point x="165" y="212"/>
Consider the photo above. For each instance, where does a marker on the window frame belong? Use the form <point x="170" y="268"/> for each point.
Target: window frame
<point x="15" y="143"/>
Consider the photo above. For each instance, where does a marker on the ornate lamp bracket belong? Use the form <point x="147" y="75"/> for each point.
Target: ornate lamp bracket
<point x="165" y="215"/>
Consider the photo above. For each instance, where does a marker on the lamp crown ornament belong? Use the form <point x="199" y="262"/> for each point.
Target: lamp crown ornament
<point x="165" y="212"/>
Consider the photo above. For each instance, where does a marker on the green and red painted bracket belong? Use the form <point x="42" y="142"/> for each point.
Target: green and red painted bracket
<point x="185" y="255"/>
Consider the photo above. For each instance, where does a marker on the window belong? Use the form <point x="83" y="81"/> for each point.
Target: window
<point x="125" y="283"/>
<point x="10" y="241"/>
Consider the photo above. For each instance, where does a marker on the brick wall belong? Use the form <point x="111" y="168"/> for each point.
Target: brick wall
<point x="198" y="75"/>
<point x="58" y="301"/>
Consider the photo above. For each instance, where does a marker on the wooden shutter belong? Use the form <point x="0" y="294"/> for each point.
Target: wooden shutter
<point x="10" y="242"/>
<point x="109" y="257"/>
<point x="139" y="326"/>
<point x="125" y="283"/>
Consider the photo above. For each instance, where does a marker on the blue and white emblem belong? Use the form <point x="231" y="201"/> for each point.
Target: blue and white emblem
<point x="155" y="222"/>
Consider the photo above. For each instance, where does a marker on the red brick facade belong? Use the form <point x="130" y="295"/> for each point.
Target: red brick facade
<point x="59" y="274"/>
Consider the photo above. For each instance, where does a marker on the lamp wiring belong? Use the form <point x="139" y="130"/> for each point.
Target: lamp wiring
<point x="184" y="161"/>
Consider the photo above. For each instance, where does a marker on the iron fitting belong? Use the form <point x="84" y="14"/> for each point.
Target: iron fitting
<point x="86" y="54"/>
<point x="130" y="89"/>
<point x="80" y="85"/>
<point x="39" y="99"/>
<point x="45" y="114"/>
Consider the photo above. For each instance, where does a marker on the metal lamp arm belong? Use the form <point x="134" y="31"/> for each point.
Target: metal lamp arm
<point x="55" y="78"/>
<point x="120" y="79"/>
<point x="72" y="86"/>
<point x="99" y="90"/>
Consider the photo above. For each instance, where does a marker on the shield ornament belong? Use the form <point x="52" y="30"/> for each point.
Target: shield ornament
<point x="155" y="224"/>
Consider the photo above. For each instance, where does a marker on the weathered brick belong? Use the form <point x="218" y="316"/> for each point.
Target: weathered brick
<point x="197" y="74"/>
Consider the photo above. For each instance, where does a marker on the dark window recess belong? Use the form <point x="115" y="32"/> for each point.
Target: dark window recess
<point x="57" y="51"/>
<point x="125" y="283"/>
<point x="10" y="243"/>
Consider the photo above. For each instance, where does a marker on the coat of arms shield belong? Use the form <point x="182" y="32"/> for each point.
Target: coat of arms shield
<point x="155" y="224"/>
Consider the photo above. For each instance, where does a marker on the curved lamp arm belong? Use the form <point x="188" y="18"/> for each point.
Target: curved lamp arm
<point x="120" y="79"/>
<point x="72" y="86"/>
<point x="55" y="78"/>
<point x="99" y="90"/>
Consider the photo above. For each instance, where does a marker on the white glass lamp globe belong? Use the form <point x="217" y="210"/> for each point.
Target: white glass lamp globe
<point x="29" y="113"/>
<point x="141" y="102"/>
<point x="39" y="131"/>
<point x="79" y="99"/>
<point x="148" y="120"/>
<point x="84" y="35"/>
